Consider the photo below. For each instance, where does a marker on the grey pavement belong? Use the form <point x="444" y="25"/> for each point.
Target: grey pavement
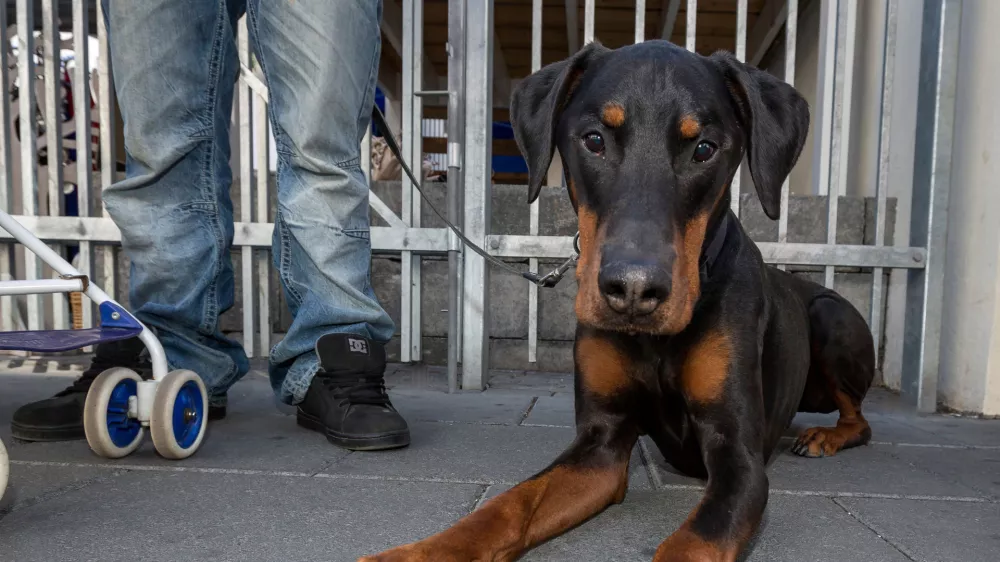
<point x="262" y="489"/>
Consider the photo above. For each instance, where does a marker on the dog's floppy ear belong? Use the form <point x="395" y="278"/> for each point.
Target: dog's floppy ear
<point x="777" y="117"/>
<point x="535" y="106"/>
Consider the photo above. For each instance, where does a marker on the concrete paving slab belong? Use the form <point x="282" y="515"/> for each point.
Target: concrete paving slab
<point x="254" y="435"/>
<point x="814" y="529"/>
<point x="883" y="401"/>
<point x="246" y="442"/>
<point x="250" y="494"/>
<point x="190" y="516"/>
<point x="253" y="395"/>
<point x="415" y="376"/>
<point x="31" y="483"/>
<point x="554" y="410"/>
<point x="464" y="452"/>
<point x="966" y="431"/>
<point x="933" y="531"/>
<point x="489" y="407"/>
<point x="545" y="383"/>
<point x="978" y="469"/>
<point x="862" y="470"/>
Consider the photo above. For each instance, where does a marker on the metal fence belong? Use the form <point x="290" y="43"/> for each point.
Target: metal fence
<point x="45" y="169"/>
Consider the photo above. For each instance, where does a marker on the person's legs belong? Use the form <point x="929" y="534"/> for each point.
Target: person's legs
<point x="174" y="66"/>
<point x="320" y="59"/>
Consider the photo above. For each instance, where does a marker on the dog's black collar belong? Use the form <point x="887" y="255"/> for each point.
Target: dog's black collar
<point x="711" y="253"/>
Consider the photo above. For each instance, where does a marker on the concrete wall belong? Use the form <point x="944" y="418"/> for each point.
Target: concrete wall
<point x="970" y="346"/>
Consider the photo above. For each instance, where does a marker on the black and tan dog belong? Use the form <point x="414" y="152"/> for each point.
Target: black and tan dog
<point x="684" y="333"/>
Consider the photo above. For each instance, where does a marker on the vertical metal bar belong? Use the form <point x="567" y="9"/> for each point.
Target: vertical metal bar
<point x="692" y="23"/>
<point x="826" y="73"/>
<point x="882" y="183"/>
<point x="417" y="159"/>
<point x="640" y="21"/>
<point x="246" y="177"/>
<point x="27" y="115"/>
<point x="791" y="32"/>
<point x="588" y="21"/>
<point x="536" y="65"/>
<point x="263" y="264"/>
<point x="536" y="35"/>
<point x="105" y="105"/>
<point x="573" y="25"/>
<point x="826" y="156"/>
<point x="478" y="192"/>
<point x="670" y="9"/>
<point x="52" y="77"/>
<point x="84" y="155"/>
<point x="6" y="175"/>
<point x="456" y="134"/>
<point x="846" y="97"/>
<point x="741" y="55"/>
<point x="410" y="61"/>
<point x="931" y="189"/>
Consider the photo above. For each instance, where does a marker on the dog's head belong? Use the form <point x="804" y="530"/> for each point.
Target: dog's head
<point x="650" y="136"/>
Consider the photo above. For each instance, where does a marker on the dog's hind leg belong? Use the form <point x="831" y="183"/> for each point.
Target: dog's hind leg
<point x="841" y="372"/>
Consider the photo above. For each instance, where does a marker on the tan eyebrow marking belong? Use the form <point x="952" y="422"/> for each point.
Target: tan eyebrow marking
<point x="689" y="127"/>
<point x="613" y="114"/>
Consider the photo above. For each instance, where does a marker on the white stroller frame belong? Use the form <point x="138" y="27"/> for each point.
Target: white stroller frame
<point x="120" y="405"/>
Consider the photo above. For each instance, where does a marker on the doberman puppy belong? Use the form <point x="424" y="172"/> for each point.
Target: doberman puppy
<point x="683" y="333"/>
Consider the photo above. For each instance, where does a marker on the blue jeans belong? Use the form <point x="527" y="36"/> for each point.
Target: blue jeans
<point x="175" y="65"/>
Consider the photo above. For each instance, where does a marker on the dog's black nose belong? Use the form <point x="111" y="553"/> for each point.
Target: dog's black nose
<point x="634" y="288"/>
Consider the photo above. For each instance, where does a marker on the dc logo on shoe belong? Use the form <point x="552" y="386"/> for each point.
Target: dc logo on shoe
<point x="357" y="346"/>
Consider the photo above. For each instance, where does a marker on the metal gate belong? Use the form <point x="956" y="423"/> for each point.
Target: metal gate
<point x="37" y="195"/>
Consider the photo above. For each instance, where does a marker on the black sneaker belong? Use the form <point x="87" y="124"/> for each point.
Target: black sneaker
<point x="60" y="418"/>
<point x="347" y="400"/>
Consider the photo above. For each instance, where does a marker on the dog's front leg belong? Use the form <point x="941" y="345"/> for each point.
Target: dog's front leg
<point x="590" y="475"/>
<point x="721" y="385"/>
<point x="585" y="479"/>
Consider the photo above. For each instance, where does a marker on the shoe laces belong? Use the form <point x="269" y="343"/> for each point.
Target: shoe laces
<point x="357" y="389"/>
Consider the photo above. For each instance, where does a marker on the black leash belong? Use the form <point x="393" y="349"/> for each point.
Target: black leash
<point x="548" y="280"/>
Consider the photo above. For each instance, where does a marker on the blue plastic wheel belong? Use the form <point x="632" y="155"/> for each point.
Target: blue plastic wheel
<point x="189" y="414"/>
<point x="121" y="428"/>
<point x="110" y="431"/>
<point x="177" y="421"/>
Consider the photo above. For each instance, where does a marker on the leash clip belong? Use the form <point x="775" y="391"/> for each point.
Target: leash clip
<point x="552" y="278"/>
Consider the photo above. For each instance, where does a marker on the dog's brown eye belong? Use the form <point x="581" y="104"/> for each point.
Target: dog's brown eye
<point x="704" y="151"/>
<point x="594" y="143"/>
